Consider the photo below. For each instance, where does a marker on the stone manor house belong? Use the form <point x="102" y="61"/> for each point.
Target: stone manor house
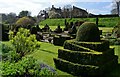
<point x="54" y="12"/>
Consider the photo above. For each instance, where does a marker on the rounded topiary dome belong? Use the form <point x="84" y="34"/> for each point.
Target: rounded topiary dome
<point x="88" y="32"/>
<point x="24" y="22"/>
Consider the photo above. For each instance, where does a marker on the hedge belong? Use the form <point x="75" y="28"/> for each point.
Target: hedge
<point x="90" y="58"/>
<point x="96" y="46"/>
<point x="86" y="58"/>
<point x="71" y="46"/>
<point x="84" y="70"/>
<point x="75" y="69"/>
<point x="88" y="32"/>
<point x="59" y="40"/>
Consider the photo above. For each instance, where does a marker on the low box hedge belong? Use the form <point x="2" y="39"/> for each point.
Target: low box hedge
<point x="71" y="46"/>
<point x="97" y="46"/>
<point x="91" y="58"/>
<point x="85" y="70"/>
<point x="75" y="69"/>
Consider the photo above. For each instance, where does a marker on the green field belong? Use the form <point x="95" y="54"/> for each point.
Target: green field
<point x="106" y="22"/>
<point x="104" y="29"/>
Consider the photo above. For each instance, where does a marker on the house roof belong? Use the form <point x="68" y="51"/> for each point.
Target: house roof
<point x="55" y="8"/>
<point x="74" y="7"/>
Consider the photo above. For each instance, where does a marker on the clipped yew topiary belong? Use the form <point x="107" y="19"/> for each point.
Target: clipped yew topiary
<point x="24" y="22"/>
<point x="87" y="55"/>
<point x="88" y="32"/>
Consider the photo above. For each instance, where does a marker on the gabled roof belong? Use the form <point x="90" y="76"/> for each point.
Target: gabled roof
<point x="55" y="8"/>
<point x="74" y="7"/>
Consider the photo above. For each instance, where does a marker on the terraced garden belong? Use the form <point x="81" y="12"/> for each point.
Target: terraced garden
<point x="47" y="51"/>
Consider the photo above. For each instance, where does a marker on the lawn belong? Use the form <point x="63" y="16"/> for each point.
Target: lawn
<point x="104" y="29"/>
<point x="46" y="53"/>
<point x="53" y="27"/>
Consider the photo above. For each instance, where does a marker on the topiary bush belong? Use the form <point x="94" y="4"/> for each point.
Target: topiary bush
<point x="87" y="55"/>
<point x="59" y="40"/>
<point x="86" y="58"/>
<point x="33" y="30"/>
<point x="86" y="46"/>
<point x="69" y="44"/>
<point x="85" y="70"/>
<point x="76" y="69"/>
<point x="88" y="32"/>
<point x="24" y="22"/>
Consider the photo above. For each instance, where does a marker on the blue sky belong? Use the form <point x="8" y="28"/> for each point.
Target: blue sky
<point x="96" y="7"/>
<point x="34" y="6"/>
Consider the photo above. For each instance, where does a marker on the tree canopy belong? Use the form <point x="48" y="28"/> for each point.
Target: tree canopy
<point x="24" y="13"/>
<point x="116" y="7"/>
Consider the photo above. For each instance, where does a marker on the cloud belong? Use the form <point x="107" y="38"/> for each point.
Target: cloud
<point x="35" y="6"/>
<point x="98" y="11"/>
<point x="19" y="5"/>
<point x="81" y="1"/>
<point x="108" y="6"/>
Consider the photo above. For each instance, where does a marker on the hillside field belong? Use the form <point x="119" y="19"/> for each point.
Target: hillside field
<point x="103" y="22"/>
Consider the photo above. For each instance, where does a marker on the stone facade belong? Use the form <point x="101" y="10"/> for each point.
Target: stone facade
<point x="66" y="13"/>
<point x="78" y="12"/>
<point x="55" y="12"/>
<point x="58" y="10"/>
<point x="42" y="15"/>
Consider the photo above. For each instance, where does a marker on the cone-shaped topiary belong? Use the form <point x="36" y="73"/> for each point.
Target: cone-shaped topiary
<point x="88" y="32"/>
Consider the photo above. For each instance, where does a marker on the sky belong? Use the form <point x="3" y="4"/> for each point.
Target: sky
<point x="34" y="6"/>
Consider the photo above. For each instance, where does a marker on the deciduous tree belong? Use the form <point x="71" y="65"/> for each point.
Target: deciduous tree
<point x="24" y="13"/>
<point x="116" y="7"/>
